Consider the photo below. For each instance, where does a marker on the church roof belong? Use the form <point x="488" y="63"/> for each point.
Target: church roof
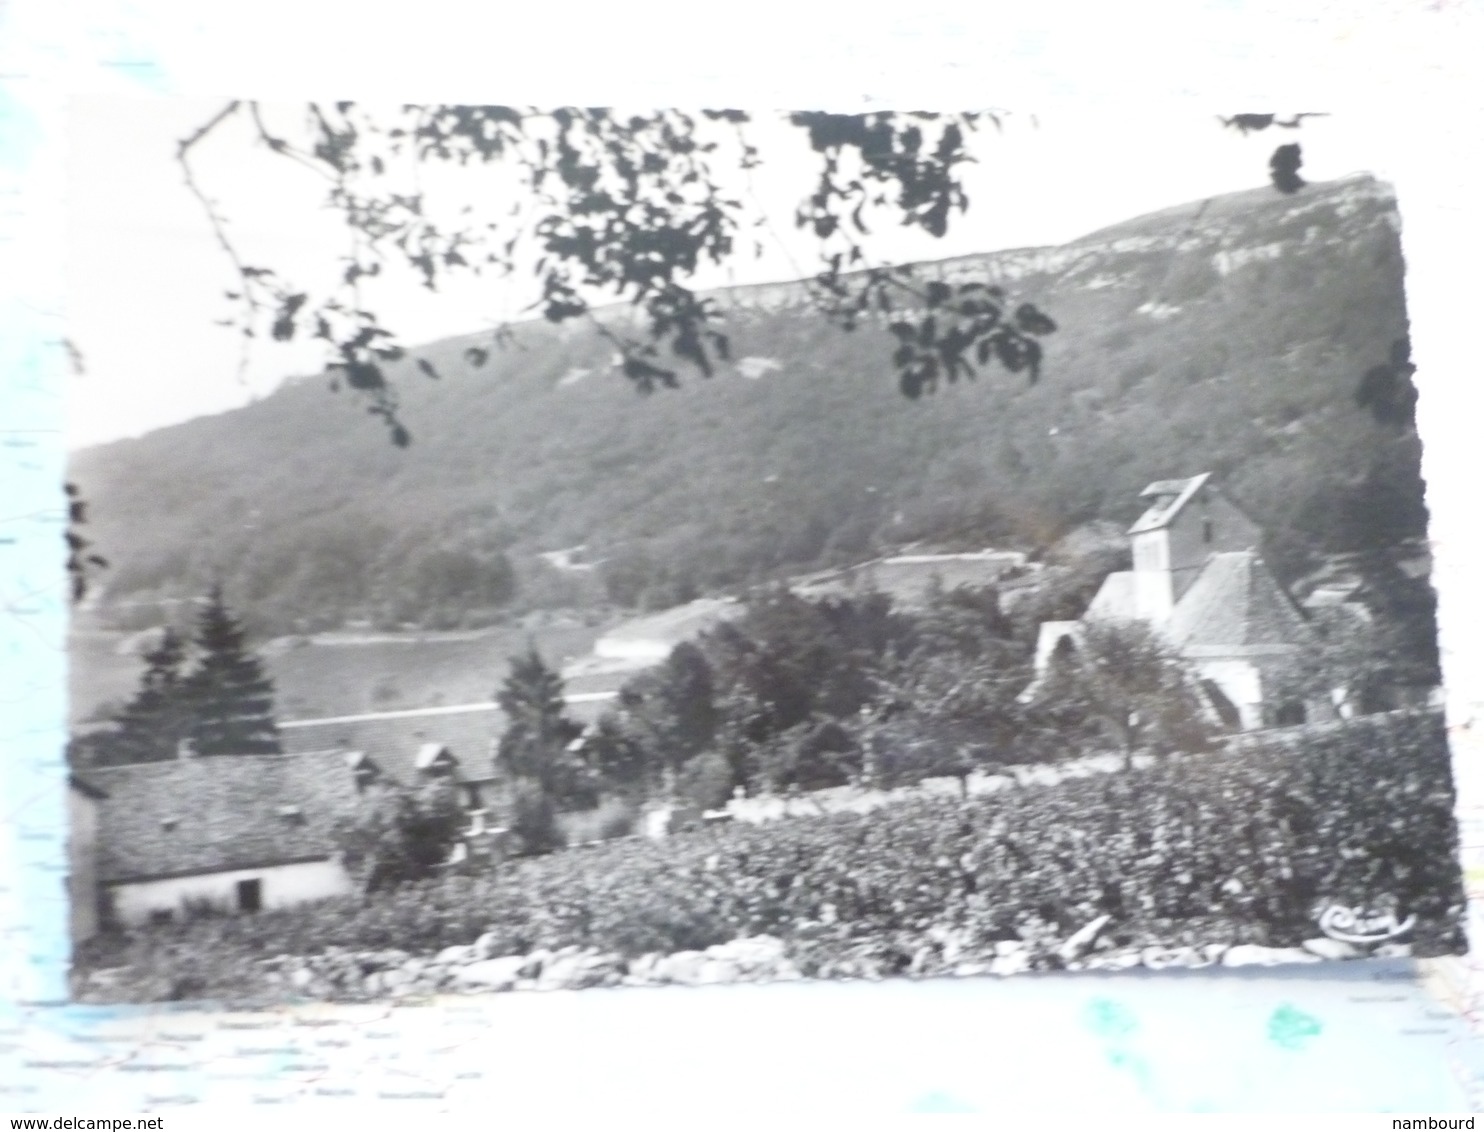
<point x="1168" y="497"/>
<point x="1236" y="603"/>
<point x="1117" y="599"/>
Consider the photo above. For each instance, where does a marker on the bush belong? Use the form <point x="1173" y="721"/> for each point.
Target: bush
<point x="814" y="755"/>
<point x="533" y="820"/>
<point x="401" y="834"/>
<point x="613" y="818"/>
<point x="706" y="781"/>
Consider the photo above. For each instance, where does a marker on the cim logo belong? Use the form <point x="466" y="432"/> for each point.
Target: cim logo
<point x="1355" y="925"/>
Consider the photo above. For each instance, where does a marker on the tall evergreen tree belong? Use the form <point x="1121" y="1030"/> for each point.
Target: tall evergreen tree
<point x="153" y="723"/>
<point x="231" y="698"/>
<point x="534" y="747"/>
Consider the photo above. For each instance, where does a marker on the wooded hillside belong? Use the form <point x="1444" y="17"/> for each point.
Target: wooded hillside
<point x="1225" y="337"/>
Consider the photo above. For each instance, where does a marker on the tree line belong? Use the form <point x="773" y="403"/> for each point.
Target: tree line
<point x="799" y="695"/>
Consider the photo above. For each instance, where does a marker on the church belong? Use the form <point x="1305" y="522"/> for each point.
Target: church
<point x="1199" y="579"/>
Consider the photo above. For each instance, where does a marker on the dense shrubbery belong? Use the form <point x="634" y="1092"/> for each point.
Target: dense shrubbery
<point x="794" y="694"/>
<point x="1243" y="846"/>
<point x="400" y="834"/>
<point x="801" y="694"/>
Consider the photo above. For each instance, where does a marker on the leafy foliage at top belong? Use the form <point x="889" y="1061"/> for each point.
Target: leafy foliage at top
<point x="1286" y="160"/>
<point x="611" y="206"/>
<point x="82" y="561"/>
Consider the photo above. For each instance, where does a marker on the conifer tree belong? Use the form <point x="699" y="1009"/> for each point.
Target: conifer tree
<point x="153" y="723"/>
<point x="534" y="748"/>
<point x="231" y="699"/>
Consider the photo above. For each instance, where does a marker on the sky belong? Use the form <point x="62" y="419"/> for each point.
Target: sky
<point x="146" y="277"/>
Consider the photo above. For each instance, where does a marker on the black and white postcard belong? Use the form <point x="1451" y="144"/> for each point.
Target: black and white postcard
<point x="555" y="548"/>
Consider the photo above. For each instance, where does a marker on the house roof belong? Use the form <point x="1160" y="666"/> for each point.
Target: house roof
<point x="1235" y="602"/>
<point x="1169" y="498"/>
<point x="211" y="814"/>
<point x="403" y="744"/>
<point x="400" y="745"/>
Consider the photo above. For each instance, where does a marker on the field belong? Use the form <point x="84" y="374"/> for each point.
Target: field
<point x="1244" y="846"/>
<point x="345" y="674"/>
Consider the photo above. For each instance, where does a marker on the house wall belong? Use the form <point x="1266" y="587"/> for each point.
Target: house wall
<point x="1188" y="549"/>
<point x="1151" y="550"/>
<point x="1154" y="595"/>
<point x="82" y="865"/>
<point x="282" y="886"/>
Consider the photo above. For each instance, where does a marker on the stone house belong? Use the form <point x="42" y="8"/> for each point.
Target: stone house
<point x="1199" y="579"/>
<point x="237" y="833"/>
<point x="410" y="747"/>
<point x="251" y="832"/>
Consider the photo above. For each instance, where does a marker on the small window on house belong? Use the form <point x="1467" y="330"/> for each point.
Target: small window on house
<point x="1208" y="530"/>
<point x="250" y="895"/>
<point x="169" y="824"/>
